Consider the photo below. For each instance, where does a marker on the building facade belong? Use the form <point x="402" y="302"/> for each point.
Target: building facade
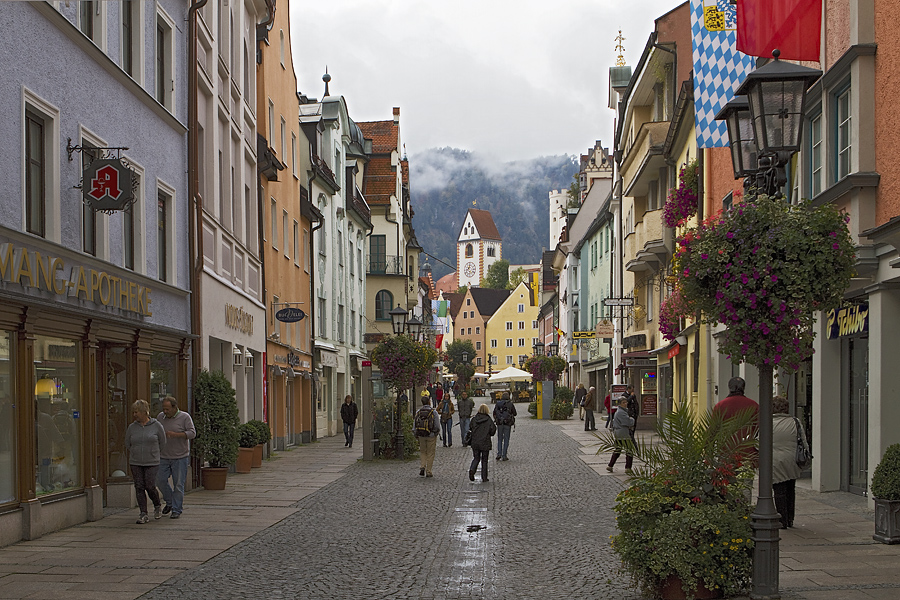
<point x="94" y="306"/>
<point x="478" y="246"/>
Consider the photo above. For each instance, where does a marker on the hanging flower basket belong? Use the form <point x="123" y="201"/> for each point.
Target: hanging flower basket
<point x="681" y="203"/>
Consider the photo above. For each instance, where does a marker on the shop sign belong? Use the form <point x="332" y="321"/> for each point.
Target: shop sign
<point x="237" y="318"/>
<point x="290" y="315"/>
<point x="673" y="352"/>
<point x="633" y="341"/>
<point x="604" y="328"/>
<point x="583" y="335"/>
<point x="640" y="362"/>
<point x="848" y="320"/>
<point x="328" y="359"/>
<point x="108" y="185"/>
<point x="648" y="404"/>
<point x="31" y="269"/>
<point x="366" y="363"/>
<point x="616" y="393"/>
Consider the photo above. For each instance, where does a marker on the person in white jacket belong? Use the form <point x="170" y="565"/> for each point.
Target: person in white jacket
<point x="784" y="459"/>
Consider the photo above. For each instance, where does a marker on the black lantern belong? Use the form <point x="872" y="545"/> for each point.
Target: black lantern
<point x="398" y="319"/>
<point x="413" y="327"/>
<point x="538" y="348"/>
<point x="552" y="349"/>
<point x="776" y="93"/>
<point x="736" y="115"/>
<point x="465" y="357"/>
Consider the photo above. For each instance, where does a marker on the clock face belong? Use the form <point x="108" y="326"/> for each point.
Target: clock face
<point x="470" y="269"/>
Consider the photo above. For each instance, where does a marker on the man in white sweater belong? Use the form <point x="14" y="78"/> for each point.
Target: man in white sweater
<point x="176" y="455"/>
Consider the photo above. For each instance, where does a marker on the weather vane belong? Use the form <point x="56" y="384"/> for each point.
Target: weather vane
<point x="620" y="60"/>
<point x="474" y="202"/>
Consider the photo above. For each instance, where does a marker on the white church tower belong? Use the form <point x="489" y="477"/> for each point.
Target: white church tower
<point x="478" y="246"/>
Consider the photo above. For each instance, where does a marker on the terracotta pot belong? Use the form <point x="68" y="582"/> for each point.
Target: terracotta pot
<point x="671" y="589"/>
<point x="257" y="455"/>
<point x="213" y="478"/>
<point x="244" y="461"/>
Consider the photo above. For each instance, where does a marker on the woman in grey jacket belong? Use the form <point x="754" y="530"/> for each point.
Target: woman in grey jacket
<point x="785" y="471"/>
<point x="622" y="424"/>
<point x="144" y="439"/>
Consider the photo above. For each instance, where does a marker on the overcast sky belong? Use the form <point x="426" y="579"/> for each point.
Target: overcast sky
<point x="512" y="79"/>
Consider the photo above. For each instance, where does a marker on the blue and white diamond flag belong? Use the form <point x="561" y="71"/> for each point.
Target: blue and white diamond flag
<point x="718" y="66"/>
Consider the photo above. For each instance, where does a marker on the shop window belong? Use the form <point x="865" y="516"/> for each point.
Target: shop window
<point x="115" y="376"/>
<point x="7" y="421"/>
<point x="57" y="415"/>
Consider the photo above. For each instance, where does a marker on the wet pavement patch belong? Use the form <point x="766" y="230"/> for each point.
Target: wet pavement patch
<point x="475" y="528"/>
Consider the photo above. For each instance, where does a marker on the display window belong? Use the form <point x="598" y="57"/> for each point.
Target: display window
<point x="58" y="418"/>
<point x="8" y="420"/>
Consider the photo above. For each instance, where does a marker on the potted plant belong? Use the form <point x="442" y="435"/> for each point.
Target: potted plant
<point x="263" y="435"/>
<point x="886" y="491"/>
<point x="684" y="521"/>
<point x="216" y="421"/>
<point x="247" y="441"/>
<point x="561" y="407"/>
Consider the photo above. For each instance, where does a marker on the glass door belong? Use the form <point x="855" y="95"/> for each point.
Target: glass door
<point x="857" y="435"/>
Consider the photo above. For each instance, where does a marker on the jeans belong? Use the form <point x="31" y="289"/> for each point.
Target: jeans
<point x="503" y="432"/>
<point x="176" y="468"/>
<point x="464" y="427"/>
<point x="348" y="433"/>
<point x="145" y="481"/>
<point x="482" y="457"/>
<point x="447" y="431"/>
<point x="589" y="424"/>
<point x="609" y="417"/>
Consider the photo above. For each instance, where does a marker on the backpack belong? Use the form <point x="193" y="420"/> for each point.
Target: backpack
<point x="504" y="415"/>
<point x="424" y="425"/>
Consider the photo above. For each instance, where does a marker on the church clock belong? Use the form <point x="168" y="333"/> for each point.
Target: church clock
<point x="469" y="269"/>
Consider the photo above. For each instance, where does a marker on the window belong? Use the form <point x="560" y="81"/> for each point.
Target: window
<point x="86" y="10"/>
<point x="163" y="64"/>
<point x="283" y="154"/>
<point x="843" y="135"/>
<point x="378" y="254"/>
<point x="509" y="325"/>
<point x="534" y="324"/>
<point x="128" y="236"/>
<point x="323" y="240"/>
<point x="384" y="301"/>
<point x="323" y="319"/>
<point x="509" y="343"/>
<point x="468" y="302"/>
<point x="491" y="251"/>
<point x="162" y="236"/>
<point x="493" y="343"/>
<point x="353" y="339"/>
<point x="89" y="154"/>
<point x="478" y="345"/>
<point x="35" y="174"/>
<point x="130" y="36"/>
<point x="8" y="421"/>
<point x="296" y="243"/>
<point x="462" y="331"/>
<point x="478" y="331"/>
<point x="306" y="258"/>
<point x="249" y="220"/>
<point x="478" y="362"/>
<point x="281" y="39"/>
<point x="649" y="302"/>
<point x="509" y="360"/>
<point x="340" y="323"/>
<point x="593" y="255"/>
<point x="521" y="324"/>
<point x="469" y="251"/>
<point x="522" y="342"/>
<point x="294" y="153"/>
<point x="273" y="225"/>
<point x="340" y="247"/>
<point x="521" y="308"/>
<point x="57" y="403"/>
<point x="271" y="122"/>
<point x="285" y="233"/>
<point x="351" y="261"/>
<point x="469" y="331"/>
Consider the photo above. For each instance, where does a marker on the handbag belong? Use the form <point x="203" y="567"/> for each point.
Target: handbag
<point x="468" y="439"/>
<point x="803" y="455"/>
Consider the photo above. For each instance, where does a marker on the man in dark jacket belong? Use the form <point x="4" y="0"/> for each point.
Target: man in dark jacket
<point x="578" y="400"/>
<point x="632" y="405"/>
<point x="464" y="407"/>
<point x="349" y="413"/>
<point x="589" y="405"/>
<point x="482" y="429"/>
<point x="505" y="417"/>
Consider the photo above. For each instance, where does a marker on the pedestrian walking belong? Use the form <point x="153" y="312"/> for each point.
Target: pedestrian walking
<point x="610" y="409"/>
<point x="144" y="439"/>
<point x="426" y="429"/>
<point x="464" y="407"/>
<point x="578" y="400"/>
<point x="175" y="457"/>
<point x="589" y="404"/>
<point x="349" y="414"/>
<point x="785" y="471"/>
<point x="480" y="439"/>
<point x="438" y="392"/>
<point x="446" y="410"/>
<point x="622" y="430"/>
<point x="505" y="417"/>
<point x="735" y="403"/>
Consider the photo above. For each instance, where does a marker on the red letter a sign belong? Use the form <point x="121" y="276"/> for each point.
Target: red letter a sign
<point x="792" y="26"/>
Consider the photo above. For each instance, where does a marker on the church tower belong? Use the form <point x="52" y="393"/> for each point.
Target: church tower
<point x="478" y="246"/>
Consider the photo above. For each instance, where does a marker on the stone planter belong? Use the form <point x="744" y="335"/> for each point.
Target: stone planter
<point x="244" y="461"/>
<point x="887" y="521"/>
<point x="671" y="589"/>
<point x="213" y="478"/>
<point x="257" y="456"/>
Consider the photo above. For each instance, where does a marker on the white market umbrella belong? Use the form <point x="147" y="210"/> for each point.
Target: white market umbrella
<point x="509" y="375"/>
<point x="480" y="375"/>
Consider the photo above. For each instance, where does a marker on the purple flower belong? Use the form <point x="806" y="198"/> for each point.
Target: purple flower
<point x="704" y="256"/>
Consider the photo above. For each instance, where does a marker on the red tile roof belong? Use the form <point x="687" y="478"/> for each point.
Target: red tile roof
<point x="384" y="135"/>
<point x="485" y="224"/>
<point x="380" y="181"/>
<point x="447" y="283"/>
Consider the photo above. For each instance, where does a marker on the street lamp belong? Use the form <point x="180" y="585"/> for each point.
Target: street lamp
<point x="522" y="360"/>
<point x="402" y="323"/>
<point x="776" y="97"/>
<point x="538" y="348"/>
<point x="552" y="349"/>
<point x="413" y="327"/>
<point x="398" y="319"/>
<point x="736" y="114"/>
<point x="490" y="364"/>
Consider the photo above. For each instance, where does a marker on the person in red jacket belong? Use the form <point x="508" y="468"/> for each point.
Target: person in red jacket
<point x="610" y="410"/>
<point x="735" y="403"/>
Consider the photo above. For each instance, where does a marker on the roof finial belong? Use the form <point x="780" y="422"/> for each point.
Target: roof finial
<point x="620" y="60"/>
<point x="474" y="202"/>
<point x="326" y="78"/>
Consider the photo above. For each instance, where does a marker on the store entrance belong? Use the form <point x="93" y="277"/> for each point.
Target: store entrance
<point x="856" y="410"/>
<point x="112" y="393"/>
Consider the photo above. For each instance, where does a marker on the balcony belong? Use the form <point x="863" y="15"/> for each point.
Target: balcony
<point x="385" y="265"/>
<point x="324" y="171"/>
<point x="358" y="204"/>
<point x="646" y="248"/>
<point x="645" y="155"/>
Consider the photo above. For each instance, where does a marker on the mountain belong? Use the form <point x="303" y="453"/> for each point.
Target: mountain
<point x="445" y="181"/>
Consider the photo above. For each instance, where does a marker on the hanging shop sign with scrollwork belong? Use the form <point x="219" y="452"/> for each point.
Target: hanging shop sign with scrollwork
<point x="108" y="185"/>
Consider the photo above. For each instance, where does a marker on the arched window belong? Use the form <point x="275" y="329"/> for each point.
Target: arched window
<point x="384" y="301"/>
<point x="469" y="251"/>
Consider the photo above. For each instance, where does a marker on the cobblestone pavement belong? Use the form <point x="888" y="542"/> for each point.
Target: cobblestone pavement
<point x="537" y="529"/>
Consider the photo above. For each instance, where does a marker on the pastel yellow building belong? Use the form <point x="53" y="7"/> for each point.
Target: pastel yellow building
<point x="512" y="330"/>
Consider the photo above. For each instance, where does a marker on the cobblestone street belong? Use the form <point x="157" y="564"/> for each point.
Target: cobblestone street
<point x="381" y="531"/>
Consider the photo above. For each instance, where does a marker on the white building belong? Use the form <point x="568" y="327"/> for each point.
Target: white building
<point x="478" y="246"/>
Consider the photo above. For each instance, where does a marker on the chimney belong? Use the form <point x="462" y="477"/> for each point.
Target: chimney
<point x="396" y="114"/>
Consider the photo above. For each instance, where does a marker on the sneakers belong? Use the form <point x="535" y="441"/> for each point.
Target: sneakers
<point x="167" y="509"/>
<point x="429" y="475"/>
<point x="471" y="475"/>
<point x="157" y="512"/>
<point x="174" y="515"/>
<point x="610" y="469"/>
<point x="143" y="519"/>
<point x="499" y="457"/>
<point x="422" y="472"/>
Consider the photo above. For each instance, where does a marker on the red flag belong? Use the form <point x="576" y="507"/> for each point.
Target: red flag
<point x="792" y="26"/>
<point x="438" y="340"/>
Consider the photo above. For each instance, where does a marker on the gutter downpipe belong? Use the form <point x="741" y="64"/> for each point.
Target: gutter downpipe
<point x="312" y="303"/>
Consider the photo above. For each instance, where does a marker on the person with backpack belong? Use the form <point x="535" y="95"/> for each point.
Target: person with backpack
<point x="425" y="427"/>
<point x="505" y="417"/>
<point x="446" y="410"/>
<point x="480" y="432"/>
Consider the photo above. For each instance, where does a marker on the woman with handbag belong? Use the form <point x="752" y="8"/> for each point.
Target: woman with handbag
<point x="787" y="437"/>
